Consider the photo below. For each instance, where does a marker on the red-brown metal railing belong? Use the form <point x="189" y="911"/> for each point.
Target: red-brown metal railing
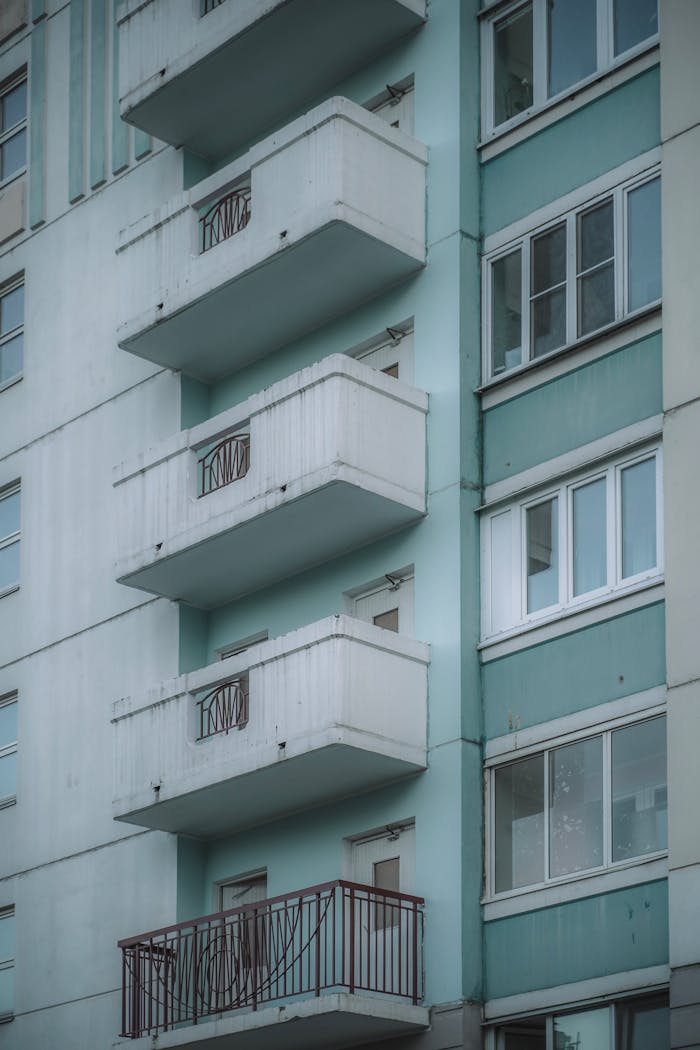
<point x="227" y="461"/>
<point x="224" y="708"/>
<point x="333" y="937"/>
<point x="209" y="5"/>
<point x="225" y="217"/>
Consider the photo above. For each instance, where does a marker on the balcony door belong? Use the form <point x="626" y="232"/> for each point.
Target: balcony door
<point x="390" y="605"/>
<point x="243" y="972"/>
<point x="384" y="930"/>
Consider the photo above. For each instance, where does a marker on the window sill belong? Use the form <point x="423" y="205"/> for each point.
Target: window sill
<point x="9" y="590"/>
<point x="12" y="178"/>
<point x="535" y="120"/>
<point x="598" y="344"/>
<point x="10" y="382"/>
<point x="564" y="621"/>
<point x="576" y="887"/>
<point x="5" y="803"/>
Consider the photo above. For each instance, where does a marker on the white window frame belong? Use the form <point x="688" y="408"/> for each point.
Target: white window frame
<point x="563" y="490"/>
<point x="604" y="730"/>
<point x="6" y="289"/>
<point x="12" y="537"/>
<point x="9" y="963"/>
<point x="21" y="125"/>
<point x="619" y="195"/>
<point x="607" y="61"/>
<point x="7" y="749"/>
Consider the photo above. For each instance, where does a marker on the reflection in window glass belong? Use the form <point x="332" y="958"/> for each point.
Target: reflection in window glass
<point x="7" y="951"/>
<point x="523" y="1035"/>
<point x="548" y="291"/>
<point x="596" y="267"/>
<point x="643" y="1025"/>
<point x="639" y="800"/>
<point x="638" y="518"/>
<point x="513" y="64"/>
<point x="589" y="1030"/>
<point x="542" y="555"/>
<point x="644" y="244"/>
<point x="576" y="807"/>
<point x="589" y="537"/>
<point x="9" y="515"/>
<point x="520" y="824"/>
<point x="571" y="32"/>
<point x="634" y="22"/>
<point x="13" y="105"/>
<point x="506" y="278"/>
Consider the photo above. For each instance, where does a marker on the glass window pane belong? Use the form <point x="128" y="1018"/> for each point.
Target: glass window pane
<point x="519" y="792"/>
<point x="9" y="515"/>
<point x="590" y="543"/>
<point x="542" y="555"/>
<point x="12" y="310"/>
<point x="14" y="106"/>
<point x="643" y="1025"/>
<point x="576" y="807"/>
<point x="8" y="724"/>
<point x="13" y="154"/>
<point x="595" y="236"/>
<point x="7" y="936"/>
<point x="644" y="244"/>
<point x="548" y="322"/>
<point x="589" y="1030"/>
<point x="9" y="566"/>
<point x="11" y="354"/>
<point x="638" y="518"/>
<point x="8" y="775"/>
<point x="389" y="620"/>
<point x="596" y="299"/>
<point x="571" y="39"/>
<point x="7" y="991"/>
<point x="506" y="319"/>
<point x="526" y="1034"/>
<point x="549" y="259"/>
<point x="635" y="21"/>
<point x="501" y="572"/>
<point x="639" y="798"/>
<point x="512" y="48"/>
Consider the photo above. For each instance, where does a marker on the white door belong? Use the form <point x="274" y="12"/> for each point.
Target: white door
<point x="389" y="606"/>
<point x="385" y="927"/>
<point x="398" y="111"/>
<point x="240" y="967"/>
<point x="393" y="357"/>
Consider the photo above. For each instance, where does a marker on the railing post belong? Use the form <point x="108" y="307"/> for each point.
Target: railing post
<point x="195" y="974"/>
<point x="255" y="958"/>
<point x="318" y="943"/>
<point x="415" y="953"/>
<point x="352" y="941"/>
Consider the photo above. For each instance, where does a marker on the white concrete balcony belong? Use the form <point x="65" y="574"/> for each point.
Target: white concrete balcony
<point x="318" y="464"/>
<point x="337" y="707"/>
<point x="213" y="75"/>
<point x="317" y="218"/>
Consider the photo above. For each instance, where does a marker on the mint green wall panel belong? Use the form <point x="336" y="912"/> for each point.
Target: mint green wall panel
<point x="194" y="635"/>
<point x="194" y="402"/>
<point x="76" y="129"/>
<point x="191" y="864"/>
<point x="143" y="144"/>
<point x="578" y="148"/>
<point x="37" y="126"/>
<point x="120" y="130"/>
<point x="595" y="937"/>
<point x="38" y="9"/>
<point x="98" y="73"/>
<point x="591" y="666"/>
<point x="580" y="406"/>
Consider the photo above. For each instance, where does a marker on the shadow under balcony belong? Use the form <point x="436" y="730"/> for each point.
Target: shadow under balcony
<point x="314" y="220"/>
<point x="332" y="709"/>
<point x="331" y="966"/>
<point x="213" y="76"/>
<point x="321" y="463"/>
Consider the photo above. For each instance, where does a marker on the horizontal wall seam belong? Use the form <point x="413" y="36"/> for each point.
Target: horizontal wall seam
<point x="81" y="853"/>
<point x="65" y="1002"/>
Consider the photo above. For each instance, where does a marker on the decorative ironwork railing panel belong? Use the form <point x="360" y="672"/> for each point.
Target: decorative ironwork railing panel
<point x="209" y="5"/>
<point x="224" y="708"/>
<point x="336" y="936"/>
<point x="227" y="461"/>
<point x="225" y="217"/>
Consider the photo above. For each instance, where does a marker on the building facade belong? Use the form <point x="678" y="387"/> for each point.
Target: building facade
<point x="347" y="548"/>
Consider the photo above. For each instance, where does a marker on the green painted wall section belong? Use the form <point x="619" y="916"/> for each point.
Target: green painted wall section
<point x="595" y="937"/>
<point x="592" y="666"/>
<point x="194" y="401"/>
<point x="580" y="406"/>
<point x="37" y="126"/>
<point x="602" y="135"/>
<point x="191" y="863"/>
<point x="76" y="131"/>
<point x="143" y="144"/>
<point x="194" y="638"/>
<point x="38" y="9"/>
<point x="120" y="130"/>
<point x="98" y="73"/>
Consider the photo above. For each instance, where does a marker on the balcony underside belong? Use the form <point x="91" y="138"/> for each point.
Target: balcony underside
<point x="334" y="765"/>
<point x="329" y="1022"/>
<point x="229" y="97"/>
<point x="223" y="560"/>
<point x="296" y="290"/>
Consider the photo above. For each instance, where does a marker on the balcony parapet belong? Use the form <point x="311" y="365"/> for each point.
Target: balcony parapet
<point x="336" y="707"/>
<point x="194" y="77"/>
<point x="333" y="458"/>
<point x="328" y="212"/>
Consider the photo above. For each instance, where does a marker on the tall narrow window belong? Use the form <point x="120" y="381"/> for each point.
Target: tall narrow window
<point x="506" y="305"/>
<point x="11" y="332"/>
<point x="572" y="42"/>
<point x="638" y="496"/>
<point x="633" y="22"/>
<point x="9" y="540"/>
<point x="13" y="129"/>
<point x="513" y="65"/>
<point x="639" y="797"/>
<point x="576" y="807"/>
<point x="542" y="531"/>
<point x="7" y="962"/>
<point x="548" y="291"/>
<point x="589" y="1030"/>
<point x="8" y="750"/>
<point x="519" y="824"/>
<point x="589" y="539"/>
<point x="644" y="244"/>
<point x="596" y="267"/>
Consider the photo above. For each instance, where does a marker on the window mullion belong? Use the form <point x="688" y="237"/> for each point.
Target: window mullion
<point x="607" y="799"/>
<point x="525" y="319"/>
<point x="545" y="759"/>
<point x="620" y="243"/>
<point x="571" y="279"/>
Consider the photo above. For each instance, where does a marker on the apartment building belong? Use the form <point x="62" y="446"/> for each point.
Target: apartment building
<point x="347" y="552"/>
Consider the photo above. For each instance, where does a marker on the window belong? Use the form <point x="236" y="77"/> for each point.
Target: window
<point x="9" y="540"/>
<point x="540" y="49"/>
<point x="636" y="1024"/>
<point x="575" y="277"/>
<point x="8" y="750"/>
<point x="7" y="962"/>
<point x="587" y="804"/>
<point x="13" y="129"/>
<point x="11" y="332"/>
